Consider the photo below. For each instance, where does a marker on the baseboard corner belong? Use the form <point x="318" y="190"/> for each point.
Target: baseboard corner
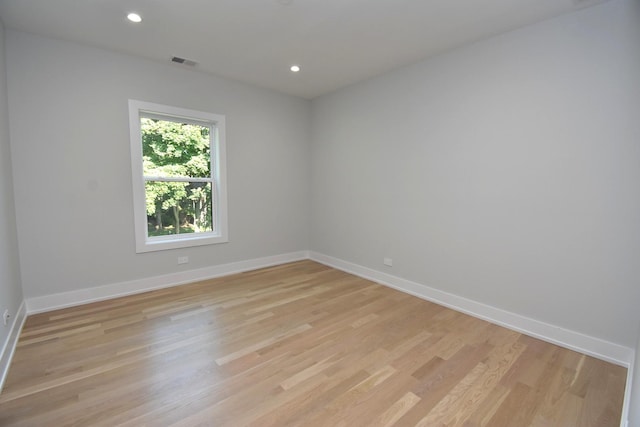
<point x="9" y="347"/>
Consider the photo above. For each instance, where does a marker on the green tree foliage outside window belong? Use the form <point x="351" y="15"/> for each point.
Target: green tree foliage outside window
<point x="177" y="172"/>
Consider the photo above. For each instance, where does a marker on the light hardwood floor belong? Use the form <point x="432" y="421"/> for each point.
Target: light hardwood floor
<point x="298" y="344"/>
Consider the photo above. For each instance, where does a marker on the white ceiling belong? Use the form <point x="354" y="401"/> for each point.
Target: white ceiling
<point x="336" y="42"/>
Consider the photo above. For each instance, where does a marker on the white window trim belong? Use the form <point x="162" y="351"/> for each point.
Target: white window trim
<point x="218" y="158"/>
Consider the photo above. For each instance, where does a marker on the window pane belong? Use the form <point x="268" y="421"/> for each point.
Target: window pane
<point x="178" y="207"/>
<point x="172" y="149"/>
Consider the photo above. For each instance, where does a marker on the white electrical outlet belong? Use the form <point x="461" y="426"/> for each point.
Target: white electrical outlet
<point x="5" y="317"/>
<point x="183" y="260"/>
<point x="388" y="262"/>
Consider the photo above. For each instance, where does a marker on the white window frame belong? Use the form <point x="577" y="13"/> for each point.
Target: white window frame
<point x="216" y="122"/>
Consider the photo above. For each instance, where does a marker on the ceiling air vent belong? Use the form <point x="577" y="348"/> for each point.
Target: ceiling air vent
<point x="183" y="61"/>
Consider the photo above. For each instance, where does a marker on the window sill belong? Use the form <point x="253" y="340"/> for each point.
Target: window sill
<point x="178" y="243"/>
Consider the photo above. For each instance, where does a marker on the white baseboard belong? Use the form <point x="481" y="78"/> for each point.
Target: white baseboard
<point x="624" y="419"/>
<point x="9" y="346"/>
<point x="573" y="340"/>
<point x="87" y="295"/>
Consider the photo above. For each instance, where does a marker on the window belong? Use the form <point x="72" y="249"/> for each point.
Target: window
<point x="178" y="164"/>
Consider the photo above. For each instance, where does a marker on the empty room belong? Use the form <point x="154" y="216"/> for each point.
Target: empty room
<point x="320" y="213"/>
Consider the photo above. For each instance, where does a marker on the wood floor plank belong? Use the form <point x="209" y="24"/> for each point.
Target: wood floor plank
<point x="298" y="344"/>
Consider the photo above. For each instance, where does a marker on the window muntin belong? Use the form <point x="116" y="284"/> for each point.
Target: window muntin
<point x="178" y="172"/>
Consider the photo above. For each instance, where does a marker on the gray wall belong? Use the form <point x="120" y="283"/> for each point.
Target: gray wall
<point x="70" y="142"/>
<point x="10" y="289"/>
<point x="505" y="172"/>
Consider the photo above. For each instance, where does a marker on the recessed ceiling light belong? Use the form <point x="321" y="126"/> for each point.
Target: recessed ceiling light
<point x="134" y="17"/>
<point x="295" y="68"/>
